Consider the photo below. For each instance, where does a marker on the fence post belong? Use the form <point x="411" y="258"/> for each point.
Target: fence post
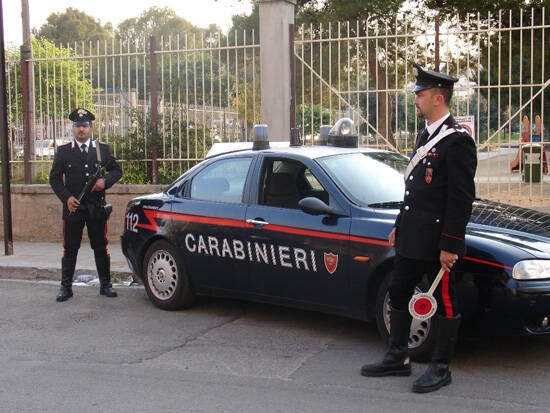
<point x="28" y="118"/>
<point x="275" y="17"/>
<point x="154" y="109"/>
<point x="436" y="65"/>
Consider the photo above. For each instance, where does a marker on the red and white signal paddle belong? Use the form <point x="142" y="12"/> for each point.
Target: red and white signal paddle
<point x="423" y="305"/>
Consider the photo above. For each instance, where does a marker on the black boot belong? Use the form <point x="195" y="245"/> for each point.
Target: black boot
<point x="396" y="361"/>
<point x="438" y="373"/>
<point x="67" y="271"/>
<point x="64" y="293"/>
<point x="107" y="290"/>
<point x="103" y="265"/>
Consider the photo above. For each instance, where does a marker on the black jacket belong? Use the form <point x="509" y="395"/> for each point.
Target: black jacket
<point x="70" y="172"/>
<point x="438" y="197"/>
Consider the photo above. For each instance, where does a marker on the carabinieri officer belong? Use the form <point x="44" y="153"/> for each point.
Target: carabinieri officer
<point x="429" y="230"/>
<point x="74" y="163"/>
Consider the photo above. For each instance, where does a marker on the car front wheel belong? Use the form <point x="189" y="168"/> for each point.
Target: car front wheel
<point x="165" y="279"/>
<point x="422" y="336"/>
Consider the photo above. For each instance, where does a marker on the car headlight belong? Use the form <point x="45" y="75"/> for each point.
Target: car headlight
<point x="532" y="270"/>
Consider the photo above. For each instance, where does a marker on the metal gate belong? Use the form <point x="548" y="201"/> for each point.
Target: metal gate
<point x="363" y="70"/>
<point x="206" y="91"/>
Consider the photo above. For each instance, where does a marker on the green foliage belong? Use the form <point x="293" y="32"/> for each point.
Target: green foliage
<point x="464" y="7"/>
<point x="330" y="10"/>
<point x="155" y="21"/>
<point x="304" y="115"/>
<point x="519" y="52"/>
<point x="75" y="88"/>
<point x="135" y="149"/>
<point x="73" y="26"/>
<point x="42" y="177"/>
<point x="248" y="104"/>
<point x="249" y="22"/>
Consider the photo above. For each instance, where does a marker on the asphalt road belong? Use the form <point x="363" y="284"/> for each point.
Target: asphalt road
<point x="96" y="354"/>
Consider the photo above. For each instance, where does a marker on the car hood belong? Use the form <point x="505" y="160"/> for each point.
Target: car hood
<point x="521" y="227"/>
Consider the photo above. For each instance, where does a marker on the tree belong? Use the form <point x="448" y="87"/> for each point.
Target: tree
<point x="73" y="26"/>
<point x="53" y="97"/>
<point x="325" y="11"/>
<point x="516" y="49"/>
<point x="464" y="7"/>
<point x="378" y="13"/>
<point x="136" y="148"/>
<point x="243" y="22"/>
<point x="155" y="21"/>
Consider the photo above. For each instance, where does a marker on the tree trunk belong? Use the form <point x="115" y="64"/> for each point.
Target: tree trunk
<point x="384" y="118"/>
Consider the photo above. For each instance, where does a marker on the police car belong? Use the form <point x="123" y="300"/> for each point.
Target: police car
<point x="307" y="227"/>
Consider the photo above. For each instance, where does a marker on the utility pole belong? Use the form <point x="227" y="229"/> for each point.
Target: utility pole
<point x="6" y="190"/>
<point x="27" y="89"/>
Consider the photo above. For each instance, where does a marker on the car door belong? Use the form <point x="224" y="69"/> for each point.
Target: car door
<point x="210" y="228"/>
<point x="300" y="258"/>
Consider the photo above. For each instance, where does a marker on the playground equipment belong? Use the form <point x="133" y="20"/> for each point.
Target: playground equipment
<point x="526" y="143"/>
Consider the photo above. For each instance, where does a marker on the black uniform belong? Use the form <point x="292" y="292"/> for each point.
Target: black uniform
<point x="439" y="193"/>
<point x="70" y="171"/>
<point x="436" y="208"/>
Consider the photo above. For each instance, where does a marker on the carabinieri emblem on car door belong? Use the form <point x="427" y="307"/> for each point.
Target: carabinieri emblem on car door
<point x="331" y="262"/>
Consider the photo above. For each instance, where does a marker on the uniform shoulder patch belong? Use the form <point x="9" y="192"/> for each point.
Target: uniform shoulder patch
<point x="461" y="130"/>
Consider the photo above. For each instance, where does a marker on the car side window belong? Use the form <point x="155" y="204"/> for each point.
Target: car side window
<point x="221" y="181"/>
<point x="285" y="182"/>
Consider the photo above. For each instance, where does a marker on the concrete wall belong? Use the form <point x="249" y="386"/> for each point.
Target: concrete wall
<point x="36" y="211"/>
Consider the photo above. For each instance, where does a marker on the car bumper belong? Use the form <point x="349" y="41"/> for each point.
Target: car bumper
<point x="528" y="302"/>
<point x="130" y="254"/>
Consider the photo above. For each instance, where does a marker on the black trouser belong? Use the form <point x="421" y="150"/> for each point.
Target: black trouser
<point x="73" y="226"/>
<point x="408" y="273"/>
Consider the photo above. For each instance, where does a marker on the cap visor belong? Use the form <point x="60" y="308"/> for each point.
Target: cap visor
<point x="419" y="88"/>
<point x="82" y="123"/>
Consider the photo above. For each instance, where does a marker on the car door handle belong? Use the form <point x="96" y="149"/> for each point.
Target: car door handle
<point x="257" y="222"/>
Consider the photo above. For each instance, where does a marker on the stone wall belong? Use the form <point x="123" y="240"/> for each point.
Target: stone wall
<point x="36" y="211"/>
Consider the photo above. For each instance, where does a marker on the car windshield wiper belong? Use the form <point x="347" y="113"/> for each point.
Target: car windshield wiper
<point x="391" y="204"/>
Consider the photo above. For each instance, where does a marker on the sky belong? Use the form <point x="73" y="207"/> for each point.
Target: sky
<point x="200" y="13"/>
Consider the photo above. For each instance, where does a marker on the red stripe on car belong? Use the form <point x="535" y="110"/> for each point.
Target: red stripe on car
<point x="153" y="226"/>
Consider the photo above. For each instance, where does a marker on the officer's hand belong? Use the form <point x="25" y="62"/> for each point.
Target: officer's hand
<point x="391" y="237"/>
<point x="72" y="204"/>
<point x="99" y="185"/>
<point x="447" y="259"/>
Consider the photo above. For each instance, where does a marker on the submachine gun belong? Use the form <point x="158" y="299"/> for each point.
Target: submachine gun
<point x="99" y="173"/>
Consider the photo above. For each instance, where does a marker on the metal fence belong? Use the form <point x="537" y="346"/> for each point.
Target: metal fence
<point x="206" y="92"/>
<point x="364" y="69"/>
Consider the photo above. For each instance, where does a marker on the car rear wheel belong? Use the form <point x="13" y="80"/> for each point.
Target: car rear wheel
<point x="422" y="336"/>
<point x="165" y="279"/>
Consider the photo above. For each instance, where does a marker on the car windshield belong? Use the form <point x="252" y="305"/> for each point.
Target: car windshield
<point x="369" y="179"/>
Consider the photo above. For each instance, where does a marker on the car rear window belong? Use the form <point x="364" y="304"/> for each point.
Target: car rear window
<point x="221" y="181"/>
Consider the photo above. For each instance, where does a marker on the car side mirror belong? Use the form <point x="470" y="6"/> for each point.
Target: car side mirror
<point x="314" y="206"/>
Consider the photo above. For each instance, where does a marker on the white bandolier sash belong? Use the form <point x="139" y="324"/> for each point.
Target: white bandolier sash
<point x="423" y="150"/>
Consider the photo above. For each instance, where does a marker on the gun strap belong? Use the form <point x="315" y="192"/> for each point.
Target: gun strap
<point x="98" y="152"/>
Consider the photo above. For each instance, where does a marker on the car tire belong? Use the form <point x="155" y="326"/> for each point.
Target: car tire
<point x="165" y="278"/>
<point x="422" y="337"/>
